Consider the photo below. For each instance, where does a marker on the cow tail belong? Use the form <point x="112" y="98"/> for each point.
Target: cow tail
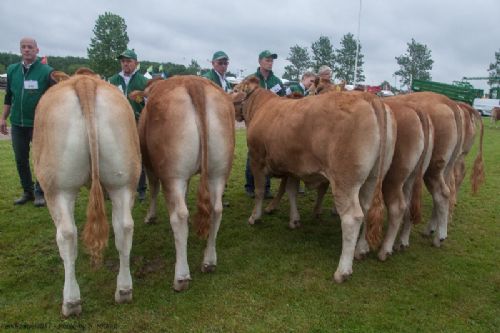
<point x="96" y="230"/>
<point x="456" y="153"/>
<point x="477" y="176"/>
<point x="203" y="214"/>
<point x="375" y="216"/>
<point x="416" y="195"/>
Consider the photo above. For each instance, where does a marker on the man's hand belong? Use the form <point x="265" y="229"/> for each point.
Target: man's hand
<point x="3" y="126"/>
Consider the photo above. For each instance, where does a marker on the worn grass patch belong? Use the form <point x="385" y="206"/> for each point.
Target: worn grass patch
<point x="268" y="279"/>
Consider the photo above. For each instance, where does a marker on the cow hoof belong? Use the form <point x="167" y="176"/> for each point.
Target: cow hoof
<point x="360" y="255"/>
<point x="181" y="285"/>
<point x="294" y="224"/>
<point x="253" y="221"/>
<point x="341" y="277"/>
<point x="123" y="296"/>
<point x="436" y="242"/>
<point x="73" y="308"/>
<point x="401" y="247"/>
<point x="150" y="220"/>
<point x="268" y="210"/>
<point x="382" y="255"/>
<point x="208" y="268"/>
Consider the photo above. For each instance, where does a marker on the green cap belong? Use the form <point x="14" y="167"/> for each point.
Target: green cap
<point x="267" y="54"/>
<point x="219" y="55"/>
<point x="130" y="54"/>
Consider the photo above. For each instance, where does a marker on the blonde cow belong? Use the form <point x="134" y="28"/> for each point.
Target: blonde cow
<point x="187" y="127"/>
<point x="346" y="140"/>
<point x="85" y="132"/>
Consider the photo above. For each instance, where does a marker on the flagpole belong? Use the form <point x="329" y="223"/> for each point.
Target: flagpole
<point x="357" y="46"/>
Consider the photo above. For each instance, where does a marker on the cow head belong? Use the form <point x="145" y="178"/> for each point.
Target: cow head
<point x="139" y="96"/>
<point x="240" y="94"/>
<point x="320" y="86"/>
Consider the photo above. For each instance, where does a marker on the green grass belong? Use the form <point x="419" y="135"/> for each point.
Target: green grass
<point x="268" y="278"/>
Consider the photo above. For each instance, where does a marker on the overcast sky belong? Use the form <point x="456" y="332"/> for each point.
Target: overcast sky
<point x="462" y="35"/>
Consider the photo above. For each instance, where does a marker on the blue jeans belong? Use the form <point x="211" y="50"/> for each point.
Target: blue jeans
<point x="142" y="186"/>
<point x="250" y="185"/>
<point x="21" y="140"/>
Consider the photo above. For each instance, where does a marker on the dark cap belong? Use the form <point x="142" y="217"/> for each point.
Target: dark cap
<point x="219" y="55"/>
<point x="130" y="54"/>
<point x="267" y="54"/>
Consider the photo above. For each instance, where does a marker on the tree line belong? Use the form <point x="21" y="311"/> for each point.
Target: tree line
<point x="111" y="38"/>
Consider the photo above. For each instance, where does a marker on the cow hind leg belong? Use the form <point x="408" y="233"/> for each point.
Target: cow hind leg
<point x="318" y="207"/>
<point x="154" y="188"/>
<point x="260" y="181"/>
<point x="61" y="206"/>
<point x="351" y="216"/>
<point x="273" y="205"/>
<point x="439" y="219"/>
<point x="123" y="226"/>
<point x="396" y="207"/>
<point x="175" y="192"/>
<point x="292" y="187"/>
<point x="210" y="255"/>
<point x="365" y="198"/>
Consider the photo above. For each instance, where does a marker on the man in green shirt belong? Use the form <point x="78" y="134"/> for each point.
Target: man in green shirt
<point x="128" y="80"/>
<point x="217" y="74"/>
<point x="269" y="81"/>
<point x="27" y="81"/>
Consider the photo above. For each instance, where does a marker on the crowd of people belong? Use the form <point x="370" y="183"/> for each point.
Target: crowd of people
<point x="28" y="80"/>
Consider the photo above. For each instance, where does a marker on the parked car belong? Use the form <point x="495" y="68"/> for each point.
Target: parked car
<point x="485" y="105"/>
<point x="3" y="81"/>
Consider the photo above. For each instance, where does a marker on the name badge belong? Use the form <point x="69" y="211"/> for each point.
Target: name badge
<point x="276" y="88"/>
<point x="30" y="84"/>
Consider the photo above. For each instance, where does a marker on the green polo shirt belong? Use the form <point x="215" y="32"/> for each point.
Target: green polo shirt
<point x="24" y="90"/>
<point x="214" y="77"/>
<point x="137" y="82"/>
<point x="298" y="88"/>
<point x="272" y="82"/>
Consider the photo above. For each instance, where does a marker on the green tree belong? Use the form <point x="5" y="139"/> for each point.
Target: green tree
<point x="9" y="58"/>
<point x="2" y="68"/>
<point x="300" y="62"/>
<point x="323" y="53"/>
<point x="346" y="58"/>
<point x="415" y="63"/>
<point x="194" y="68"/>
<point x="109" y="41"/>
<point x="494" y="70"/>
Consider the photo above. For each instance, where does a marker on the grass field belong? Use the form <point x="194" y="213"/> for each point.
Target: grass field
<point x="268" y="278"/>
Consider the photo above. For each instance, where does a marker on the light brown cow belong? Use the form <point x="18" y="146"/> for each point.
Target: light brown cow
<point x="495" y="116"/>
<point x="403" y="182"/>
<point x="84" y="132"/>
<point x="471" y="118"/>
<point x="347" y="140"/>
<point x="447" y="121"/>
<point x="187" y="127"/>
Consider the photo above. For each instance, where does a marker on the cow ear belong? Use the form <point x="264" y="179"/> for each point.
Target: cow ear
<point x="137" y="96"/>
<point x="58" y="76"/>
<point x="253" y="80"/>
<point x="238" y="97"/>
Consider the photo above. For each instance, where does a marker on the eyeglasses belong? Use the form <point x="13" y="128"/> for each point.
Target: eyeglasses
<point x="222" y="63"/>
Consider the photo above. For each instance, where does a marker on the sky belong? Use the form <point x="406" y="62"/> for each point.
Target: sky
<point x="463" y="36"/>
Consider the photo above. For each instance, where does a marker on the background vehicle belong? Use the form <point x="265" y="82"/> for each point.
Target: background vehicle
<point x="485" y="105"/>
<point x="458" y="93"/>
